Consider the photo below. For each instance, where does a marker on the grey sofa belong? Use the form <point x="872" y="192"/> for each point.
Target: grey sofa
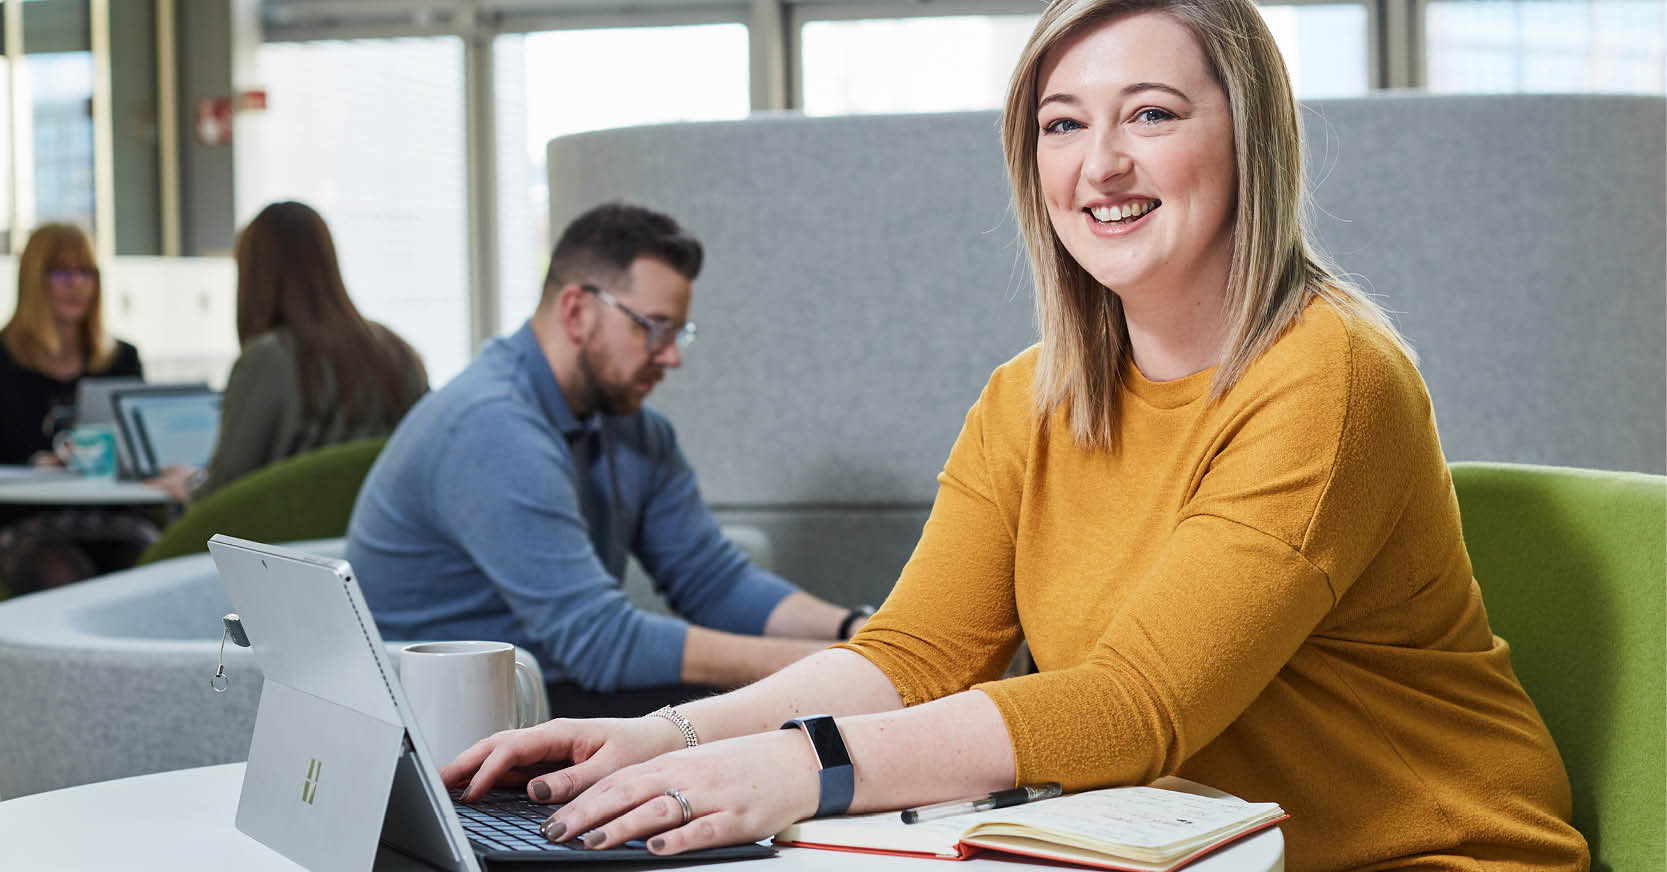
<point x="863" y="278"/>
<point x="110" y="677"/>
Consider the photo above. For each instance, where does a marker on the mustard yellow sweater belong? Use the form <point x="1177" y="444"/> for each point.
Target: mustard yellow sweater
<point x="1268" y="594"/>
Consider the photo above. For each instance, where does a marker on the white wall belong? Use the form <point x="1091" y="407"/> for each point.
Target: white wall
<point x="181" y="312"/>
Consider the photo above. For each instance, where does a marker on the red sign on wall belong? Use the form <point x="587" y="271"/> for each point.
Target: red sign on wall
<point x="214" y="121"/>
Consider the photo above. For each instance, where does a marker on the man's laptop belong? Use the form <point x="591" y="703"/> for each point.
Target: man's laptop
<point x="167" y="425"/>
<point x="339" y="776"/>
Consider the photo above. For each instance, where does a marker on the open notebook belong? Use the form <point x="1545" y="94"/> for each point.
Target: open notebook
<point x="1141" y="829"/>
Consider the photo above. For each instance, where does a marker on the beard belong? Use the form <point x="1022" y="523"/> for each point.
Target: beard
<point x="610" y="397"/>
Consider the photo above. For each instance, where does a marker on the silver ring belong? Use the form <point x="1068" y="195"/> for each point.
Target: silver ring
<point x="688" y="810"/>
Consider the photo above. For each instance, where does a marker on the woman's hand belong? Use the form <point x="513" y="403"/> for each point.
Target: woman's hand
<point x="738" y="790"/>
<point x="175" y="481"/>
<point x="595" y="747"/>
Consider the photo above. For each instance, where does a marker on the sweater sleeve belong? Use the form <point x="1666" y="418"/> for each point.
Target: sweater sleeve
<point x="257" y="413"/>
<point x="951" y="620"/>
<point x="1179" y="663"/>
<point x="1294" y="502"/>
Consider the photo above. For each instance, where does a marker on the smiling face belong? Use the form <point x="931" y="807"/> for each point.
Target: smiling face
<point x="1134" y="156"/>
<point x="616" y="366"/>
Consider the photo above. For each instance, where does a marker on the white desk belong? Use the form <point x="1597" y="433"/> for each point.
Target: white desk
<point x="22" y="486"/>
<point x="184" y="821"/>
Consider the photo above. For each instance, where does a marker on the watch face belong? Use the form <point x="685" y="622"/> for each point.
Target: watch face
<point x="825" y="738"/>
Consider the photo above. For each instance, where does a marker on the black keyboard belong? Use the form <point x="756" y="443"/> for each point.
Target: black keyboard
<point x="506" y="821"/>
<point x="502" y="827"/>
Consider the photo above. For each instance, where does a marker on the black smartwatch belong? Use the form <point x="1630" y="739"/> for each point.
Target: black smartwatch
<point x="838" y="778"/>
<point x="856" y="614"/>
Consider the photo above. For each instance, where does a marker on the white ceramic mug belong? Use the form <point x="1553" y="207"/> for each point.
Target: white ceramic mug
<point x="462" y="692"/>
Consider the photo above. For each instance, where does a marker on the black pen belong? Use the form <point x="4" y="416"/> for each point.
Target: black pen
<point x="999" y="799"/>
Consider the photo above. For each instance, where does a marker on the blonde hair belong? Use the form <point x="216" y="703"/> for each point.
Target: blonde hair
<point x="1276" y="269"/>
<point x="31" y="336"/>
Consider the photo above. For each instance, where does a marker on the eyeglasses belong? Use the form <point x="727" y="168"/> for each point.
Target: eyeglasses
<point x="661" y="334"/>
<point x="68" y="273"/>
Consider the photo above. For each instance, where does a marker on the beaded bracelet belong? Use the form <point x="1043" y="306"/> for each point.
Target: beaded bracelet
<point x="690" y="738"/>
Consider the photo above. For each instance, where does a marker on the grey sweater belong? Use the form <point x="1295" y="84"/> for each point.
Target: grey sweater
<point x="263" y="418"/>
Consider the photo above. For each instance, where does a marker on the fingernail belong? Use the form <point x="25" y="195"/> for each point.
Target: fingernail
<point x="553" y="829"/>
<point x="593" y="839"/>
<point x="541" y="791"/>
<point x="656" y="844"/>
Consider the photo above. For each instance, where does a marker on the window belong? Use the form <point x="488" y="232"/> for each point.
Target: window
<point x="371" y="134"/>
<point x="57" y="42"/>
<point x="955" y="63"/>
<point x="941" y="64"/>
<point x="1324" y="45"/>
<point x="1546" y="45"/>
<point x="559" y="82"/>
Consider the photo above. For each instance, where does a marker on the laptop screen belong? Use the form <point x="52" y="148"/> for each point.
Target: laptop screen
<point x="169" y="427"/>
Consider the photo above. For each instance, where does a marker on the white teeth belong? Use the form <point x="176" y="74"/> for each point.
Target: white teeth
<point x="1133" y="209"/>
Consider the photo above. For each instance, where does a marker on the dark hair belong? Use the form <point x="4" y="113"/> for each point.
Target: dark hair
<point x="603" y="242"/>
<point x="287" y="276"/>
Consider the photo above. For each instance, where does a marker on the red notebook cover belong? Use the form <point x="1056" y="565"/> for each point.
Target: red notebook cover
<point x="968" y="850"/>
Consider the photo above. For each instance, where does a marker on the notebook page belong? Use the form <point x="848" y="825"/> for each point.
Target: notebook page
<point x="1138" y="817"/>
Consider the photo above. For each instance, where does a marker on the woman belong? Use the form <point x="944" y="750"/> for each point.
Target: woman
<point x="54" y="338"/>
<point x="1212" y="499"/>
<point x="313" y="371"/>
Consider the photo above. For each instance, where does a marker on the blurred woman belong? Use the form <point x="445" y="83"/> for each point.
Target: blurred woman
<point x="1211" y="498"/>
<point x="54" y="338"/>
<point x="313" y="371"/>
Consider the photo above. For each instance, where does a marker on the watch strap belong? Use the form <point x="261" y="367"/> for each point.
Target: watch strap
<point x="859" y="613"/>
<point x="837" y="778"/>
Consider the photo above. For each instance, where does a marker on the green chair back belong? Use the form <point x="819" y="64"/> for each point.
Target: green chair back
<point x="308" y="496"/>
<point x="1573" y="568"/>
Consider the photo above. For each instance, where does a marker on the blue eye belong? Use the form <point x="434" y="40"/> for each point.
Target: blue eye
<point x="1063" y="125"/>
<point x="1153" y="115"/>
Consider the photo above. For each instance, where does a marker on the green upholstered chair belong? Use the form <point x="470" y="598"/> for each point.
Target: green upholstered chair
<point x="308" y="496"/>
<point x="1573" y="568"/>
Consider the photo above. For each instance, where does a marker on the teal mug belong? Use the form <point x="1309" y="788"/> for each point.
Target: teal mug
<point x="87" y="451"/>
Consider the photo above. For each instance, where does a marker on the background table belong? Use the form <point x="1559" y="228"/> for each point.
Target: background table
<point x="20" y="486"/>
<point x="184" y="821"/>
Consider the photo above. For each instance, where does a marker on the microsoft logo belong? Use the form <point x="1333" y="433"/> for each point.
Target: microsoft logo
<point x="309" y="787"/>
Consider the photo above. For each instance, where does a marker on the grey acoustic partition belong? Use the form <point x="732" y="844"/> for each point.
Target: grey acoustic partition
<point x="864" y="277"/>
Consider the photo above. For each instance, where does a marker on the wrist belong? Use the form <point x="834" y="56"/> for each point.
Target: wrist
<point x="836" y="776"/>
<point x="677" y="729"/>
<point x="854" y="619"/>
<point x="801" y="772"/>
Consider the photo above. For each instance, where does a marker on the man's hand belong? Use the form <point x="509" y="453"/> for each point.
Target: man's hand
<point x="595" y="748"/>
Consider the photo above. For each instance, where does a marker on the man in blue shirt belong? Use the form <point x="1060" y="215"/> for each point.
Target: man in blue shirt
<point x="505" y="503"/>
